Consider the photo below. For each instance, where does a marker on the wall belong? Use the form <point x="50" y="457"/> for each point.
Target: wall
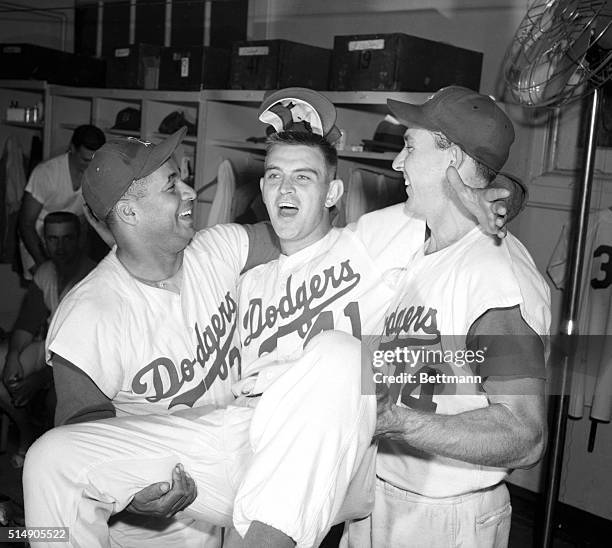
<point x="49" y="23"/>
<point x="481" y="25"/>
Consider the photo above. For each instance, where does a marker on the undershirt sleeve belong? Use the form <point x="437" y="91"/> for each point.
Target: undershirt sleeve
<point x="78" y="397"/>
<point x="263" y="245"/>
<point x="509" y="346"/>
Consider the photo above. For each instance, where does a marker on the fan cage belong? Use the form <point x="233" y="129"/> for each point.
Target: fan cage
<point x="557" y="54"/>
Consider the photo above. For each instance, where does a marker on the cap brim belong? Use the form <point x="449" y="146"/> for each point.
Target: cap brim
<point x="410" y="115"/>
<point x="324" y="107"/>
<point x="161" y="152"/>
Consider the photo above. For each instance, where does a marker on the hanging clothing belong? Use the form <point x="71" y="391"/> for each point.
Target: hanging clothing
<point x="221" y="208"/>
<point x="592" y="372"/>
<point x="370" y="190"/>
<point x="12" y="184"/>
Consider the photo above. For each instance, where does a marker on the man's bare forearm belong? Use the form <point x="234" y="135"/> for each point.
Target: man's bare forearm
<point x="32" y="242"/>
<point x="491" y="436"/>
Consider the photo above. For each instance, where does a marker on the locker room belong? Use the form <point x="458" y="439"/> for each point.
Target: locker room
<point x="172" y="373"/>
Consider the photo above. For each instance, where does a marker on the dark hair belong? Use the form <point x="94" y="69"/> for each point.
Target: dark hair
<point x="308" y="139"/>
<point x="56" y="217"/>
<point x="90" y="137"/>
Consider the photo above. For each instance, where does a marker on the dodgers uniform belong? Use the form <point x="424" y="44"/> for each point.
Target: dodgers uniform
<point x="342" y="282"/>
<point x="424" y="499"/>
<point x="297" y="414"/>
<point x="151" y="350"/>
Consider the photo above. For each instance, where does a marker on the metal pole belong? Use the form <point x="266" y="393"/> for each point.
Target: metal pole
<point x="569" y="329"/>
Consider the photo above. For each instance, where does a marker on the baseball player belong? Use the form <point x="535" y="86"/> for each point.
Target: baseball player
<point x="305" y="365"/>
<point x="465" y="324"/>
<point x="126" y="342"/>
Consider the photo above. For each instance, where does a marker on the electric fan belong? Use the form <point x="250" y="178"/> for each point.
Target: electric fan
<point x="562" y="51"/>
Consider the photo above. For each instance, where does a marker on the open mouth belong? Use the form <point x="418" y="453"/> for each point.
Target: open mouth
<point x="287" y="209"/>
<point x="185" y="214"/>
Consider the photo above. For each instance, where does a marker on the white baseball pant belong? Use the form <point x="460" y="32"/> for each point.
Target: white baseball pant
<point x="287" y="463"/>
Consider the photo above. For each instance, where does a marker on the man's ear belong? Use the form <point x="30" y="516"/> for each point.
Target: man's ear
<point x="261" y="184"/>
<point x="457" y="156"/>
<point x="125" y="212"/>
<point x="334" y="192"/>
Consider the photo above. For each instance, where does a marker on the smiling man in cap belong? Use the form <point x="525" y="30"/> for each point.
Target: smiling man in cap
<point x="451" y="432"/>
<point x="152" y="329"/>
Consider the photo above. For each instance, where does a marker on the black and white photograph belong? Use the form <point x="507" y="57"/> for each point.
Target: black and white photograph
<point x="305" y="273"/>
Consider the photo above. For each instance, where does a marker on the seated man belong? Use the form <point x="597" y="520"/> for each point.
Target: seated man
<point x="465" y="333"/>
<point x="24" y="373"/>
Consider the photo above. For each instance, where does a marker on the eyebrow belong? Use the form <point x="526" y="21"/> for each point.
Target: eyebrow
<point x="408" y="139"/>
<point x="298" y="170"/>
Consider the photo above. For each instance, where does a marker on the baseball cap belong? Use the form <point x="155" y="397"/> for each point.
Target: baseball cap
<point x="118" y="163"/>
<point x="300" y="109"/>
<point x="469" y="119"/>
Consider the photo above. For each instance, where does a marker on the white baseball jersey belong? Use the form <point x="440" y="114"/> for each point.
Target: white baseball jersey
<point x="441" y="296"/>
<point x="151" y="350"/>
<point x="343" y="282"/>
<point x="592" y="376"/>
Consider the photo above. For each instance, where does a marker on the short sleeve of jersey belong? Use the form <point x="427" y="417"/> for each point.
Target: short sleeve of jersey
<point x="391" y="235"/>
<point x="38" y="183"/>
<point x="229" y="242"/>
<point x="82" y="331"/>
<point x="558" y="262"/>
<point x="502" y="277"/>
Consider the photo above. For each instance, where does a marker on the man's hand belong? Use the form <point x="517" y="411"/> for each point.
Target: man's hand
<point x="100" y="227"/>
<point x="384" y="407"/>
<point x="486" y="204"/>
<point x="162" y="500"/>
<point x="13" y="371"/>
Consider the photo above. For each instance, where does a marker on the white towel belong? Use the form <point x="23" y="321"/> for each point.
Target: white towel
<point x="221" y="208"/>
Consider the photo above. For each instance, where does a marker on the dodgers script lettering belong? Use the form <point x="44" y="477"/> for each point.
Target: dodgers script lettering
<point x="302" y="303"/>
<point x="216" y="339"/>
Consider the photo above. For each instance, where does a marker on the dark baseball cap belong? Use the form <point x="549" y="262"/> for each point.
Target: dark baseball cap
<point x="288" y="109"/>
<point x="118" y="163"/>
<point x="469" y="119"/>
